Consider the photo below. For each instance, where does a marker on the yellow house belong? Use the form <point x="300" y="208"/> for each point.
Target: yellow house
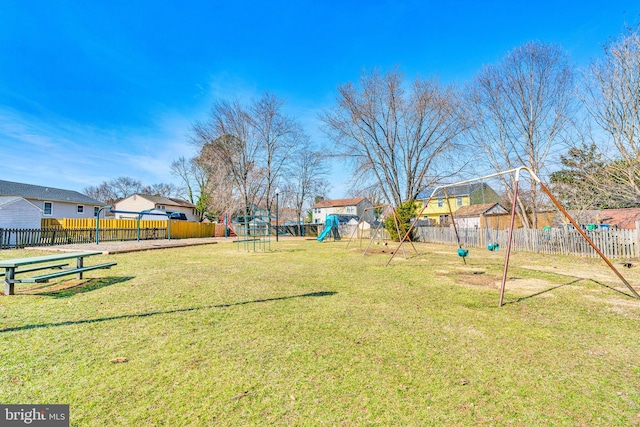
<point x="442" y="203"/>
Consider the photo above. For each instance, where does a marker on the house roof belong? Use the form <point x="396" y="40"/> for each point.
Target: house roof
<point x="454" y="190"/>
<point x="623" y="218"/>
<point x="28" y="191"/>
<point x="339" y="202"/>
<point x="6" y="200"/>
<point x="477" y="210"/>
<point x="168" y="201"/>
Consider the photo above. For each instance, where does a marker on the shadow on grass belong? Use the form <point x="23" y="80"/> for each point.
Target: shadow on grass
<point x="69" y="289"/>
<point x="155" y="313"/>
<point x="567" y="284"/>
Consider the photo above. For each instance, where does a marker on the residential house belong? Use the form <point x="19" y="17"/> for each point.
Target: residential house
<point x="442" y="203"/>
<point x="17" y="212"/>
<point x="51" y="202"/>
<point x="479" y="216"/>
<point x="145" y="202"/>
<point x="623" y="218"/>
<point x="356" y="207"/>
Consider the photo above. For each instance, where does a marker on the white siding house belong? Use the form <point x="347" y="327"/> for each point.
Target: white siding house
<point x="144" y="202"/>
<point x="52" y="202"/>
<point x="354" y="206"/>
<point x="16" y="212"/>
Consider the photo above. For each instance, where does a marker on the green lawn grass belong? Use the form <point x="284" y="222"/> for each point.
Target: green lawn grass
<point x="317" y="334"/>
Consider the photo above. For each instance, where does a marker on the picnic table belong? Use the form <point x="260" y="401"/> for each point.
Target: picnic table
<point x="12" y="267"/>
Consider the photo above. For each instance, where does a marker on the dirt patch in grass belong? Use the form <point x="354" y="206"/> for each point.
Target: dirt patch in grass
<point x="478" y="278"/>
<point x="379" y="250"/>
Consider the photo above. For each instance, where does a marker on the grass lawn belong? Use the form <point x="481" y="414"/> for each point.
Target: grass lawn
<point x="317" y="334"/>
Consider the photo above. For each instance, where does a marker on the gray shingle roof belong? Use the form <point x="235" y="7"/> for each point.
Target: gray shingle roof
<point x="28" y="191"/>
<point x="170" y="201"/>
<point x="453" y="191"/>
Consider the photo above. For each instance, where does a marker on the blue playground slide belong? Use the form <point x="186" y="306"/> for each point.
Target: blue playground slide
<point x="330" y="224"/>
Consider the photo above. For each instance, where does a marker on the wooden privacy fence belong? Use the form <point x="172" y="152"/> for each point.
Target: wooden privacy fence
<point x="179" y="229"/>
<point x="615" y="244"/>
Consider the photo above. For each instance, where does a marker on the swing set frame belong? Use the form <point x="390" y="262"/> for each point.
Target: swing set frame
<point x="517" y="172"/>
<point x="398" y="225"/>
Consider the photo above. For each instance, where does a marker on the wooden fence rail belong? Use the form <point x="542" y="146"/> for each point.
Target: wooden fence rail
<point x="615" y="244"/>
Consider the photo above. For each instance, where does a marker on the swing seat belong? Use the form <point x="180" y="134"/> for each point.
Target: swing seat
<point x="463" y="252"/>
<point x="493" y="247"/>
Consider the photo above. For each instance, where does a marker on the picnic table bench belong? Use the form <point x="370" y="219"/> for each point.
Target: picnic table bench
<point x="11" y="267"/>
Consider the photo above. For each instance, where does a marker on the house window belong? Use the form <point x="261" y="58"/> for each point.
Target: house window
<point x="350" y="209"/>
<point x="162" y="207"/>
<point x="80" y="209"/>
<point x="440" y="203"/>
<point x="96" y="210"/>
<point x="459" y="201"/>
<point x="48" y="208"/>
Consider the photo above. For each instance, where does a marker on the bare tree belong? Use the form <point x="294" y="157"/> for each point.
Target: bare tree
<point x="197" y="176"/>
<point x="102" y="192"/>
<point x="521" y="108"/>
<point x="307" y="172"/>
<point x="181" y="168"/>
<point x="124" y="186"/>
<point x="612" y="97"/>
<point x="161" y="189"/>
<point x="395" y="137"/>
<point x="278" y="134"/>
<point x="249" y="144"/>
<point x="229" y="138"/>
<point x="114" y="190"/>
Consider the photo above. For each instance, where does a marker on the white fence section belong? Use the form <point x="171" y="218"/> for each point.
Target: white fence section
<point x="615" y="244"/>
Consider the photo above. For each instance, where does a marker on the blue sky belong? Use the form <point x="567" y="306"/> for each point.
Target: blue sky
<point x="92" y="90"/>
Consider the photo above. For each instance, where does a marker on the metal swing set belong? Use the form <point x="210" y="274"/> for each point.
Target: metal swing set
<point x="463" y="253"/>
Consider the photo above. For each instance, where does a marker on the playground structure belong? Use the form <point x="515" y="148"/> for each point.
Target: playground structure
<point x="330" y="228"/>
<point x="379" y="234"/>
<point x="463" y="252"/>
<point x="254" y="231"/>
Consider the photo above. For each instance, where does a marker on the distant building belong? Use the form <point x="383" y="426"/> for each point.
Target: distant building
<point x="144" y="202"/>
<point x="442" y="203"/>
<point x="51" y="202"/>
<point x="355" y="208"/>
<point x="479" y="216"/>
<point x="623" y="218"/>
<point x="17" y="212"/>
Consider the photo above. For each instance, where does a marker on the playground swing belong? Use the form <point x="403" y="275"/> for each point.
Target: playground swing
<point x="509" y="240"/>
<point x="494" y="245"/>
<point x="493" y="242"/>
<point x="462" y="252"/>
